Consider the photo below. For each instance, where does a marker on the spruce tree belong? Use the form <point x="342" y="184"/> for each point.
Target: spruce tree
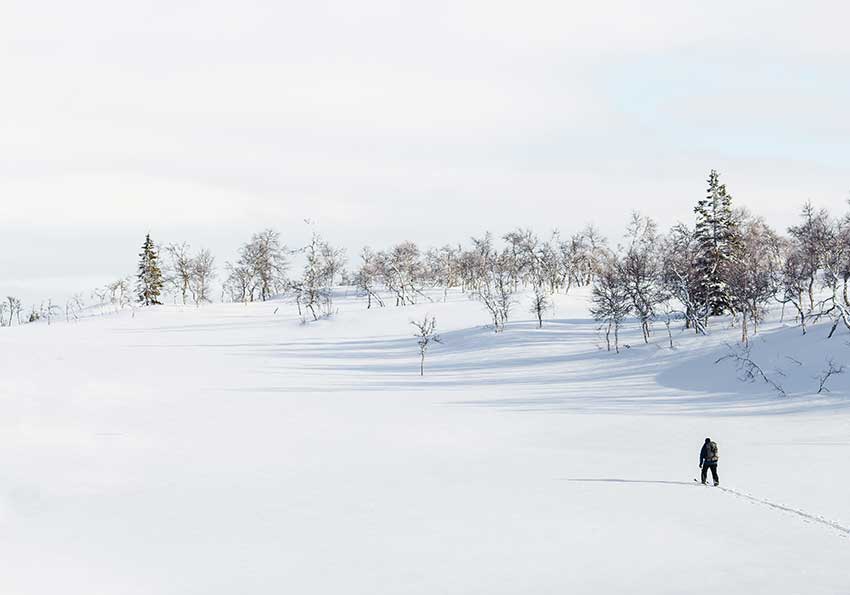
<point x="149" y="279"/>
<point x="715" y="237"/>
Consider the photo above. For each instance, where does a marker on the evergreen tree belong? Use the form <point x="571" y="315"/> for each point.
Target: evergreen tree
<point x="149" y="279"/>
<point x="715" y="236"/>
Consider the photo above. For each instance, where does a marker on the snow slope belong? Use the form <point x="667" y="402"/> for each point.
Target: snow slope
<point x="230" y="449"/>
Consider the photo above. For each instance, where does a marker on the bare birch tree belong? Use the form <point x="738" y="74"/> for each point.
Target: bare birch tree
<point x="368" y="277"/>
<point x="201" y="276"/>
<point x="425" y="335"/>
<point x="610" y="300"/>
<point x="179" y="265"/>
<point x="15" y="309"/>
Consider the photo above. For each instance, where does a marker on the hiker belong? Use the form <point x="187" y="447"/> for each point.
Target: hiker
<point x="708" y="460"/>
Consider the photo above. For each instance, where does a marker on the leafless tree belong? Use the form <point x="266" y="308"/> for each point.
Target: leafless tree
<point x="269" y="261"/>
<point x="368" y="277"/>
<point x="240" y="283"/>
<point x="794" y="281"/>
<point x="314" y="291"/>
<point x="551" y="267"/>
<point x="120" y="293"/>
<point x="201" y="275"/>
<point x="588" y="252"/>
<point x="401" y="270"/>
<point x="641" y="270"/>
<point x="669" y="312"/>
<point x="837" y="261"/>
<point x="835" y="264"/>
<point x="101" y="294"/>
<point x="51" y="311"/>
<point x="680" y="276"/>
<point x="260" y="271"/>
<point x="494" y="285"/>
<point x="15" y="309"/>
<point x="520" y="244"/>
<point x="73" y="307"/>
<point x="333" y="260"/>
<point x="610" y="300"/>
<point x="425" y="335"/>
<point x="179" y="269"/>
<point x="311" y="289"/>
<point x="540" y="303"/>
<point x="813" y="236"/>
<point x="442" y="268"/>
<point x="537" y="265"/>
<point x="753" y="279"/>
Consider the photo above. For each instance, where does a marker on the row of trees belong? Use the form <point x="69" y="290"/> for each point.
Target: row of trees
<point x="186" y="275"/>
<point x="400" y="274"/>
<point x="731" y="262"/>
<point x="489" y="273"/>
<point x="262" y="272"/>
<point x="12" y="311"/>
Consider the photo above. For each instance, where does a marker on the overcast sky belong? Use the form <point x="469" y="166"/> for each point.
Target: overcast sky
<point x="206" y="120"/>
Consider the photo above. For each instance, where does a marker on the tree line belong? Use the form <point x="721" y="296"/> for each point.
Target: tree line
<point x="730" y="262"/>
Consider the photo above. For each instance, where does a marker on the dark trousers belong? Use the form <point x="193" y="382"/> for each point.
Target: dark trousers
<point x="713" y="467"/>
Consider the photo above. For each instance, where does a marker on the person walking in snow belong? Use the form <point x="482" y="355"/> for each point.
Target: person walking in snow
<point x="708" y="458"/>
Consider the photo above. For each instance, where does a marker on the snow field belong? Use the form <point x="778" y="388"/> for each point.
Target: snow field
<point x="229" y="449"/>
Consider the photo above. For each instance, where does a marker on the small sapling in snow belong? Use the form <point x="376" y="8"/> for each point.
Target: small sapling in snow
<point x="425" y="335"/>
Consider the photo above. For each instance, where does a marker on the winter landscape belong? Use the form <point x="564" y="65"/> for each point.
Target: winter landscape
<point x="386" y="299"/>
<point x="354" y="447"/>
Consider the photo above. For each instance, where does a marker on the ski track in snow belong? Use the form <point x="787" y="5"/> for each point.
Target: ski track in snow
<point x="805" y="515"/>
<point x="801" y="513"/>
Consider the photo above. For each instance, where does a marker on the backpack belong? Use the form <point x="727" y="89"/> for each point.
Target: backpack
<point x="711" y="452"/>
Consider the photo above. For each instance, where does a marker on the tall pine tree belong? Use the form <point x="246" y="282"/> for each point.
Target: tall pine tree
<point x="149" y="279"/>
<point x="715" y="237"/>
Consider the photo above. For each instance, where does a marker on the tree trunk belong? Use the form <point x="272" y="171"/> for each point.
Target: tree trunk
<point x="832" y="330"/>
<point x="617" y="337"/>
<point x="812" y="294"/>
<point x="844" y="292"/>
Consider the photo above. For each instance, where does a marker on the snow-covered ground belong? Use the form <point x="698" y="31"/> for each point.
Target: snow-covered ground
<point x="230" y="449"/>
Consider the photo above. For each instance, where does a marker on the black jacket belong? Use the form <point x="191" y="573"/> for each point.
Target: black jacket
<point x="706" y="456"/>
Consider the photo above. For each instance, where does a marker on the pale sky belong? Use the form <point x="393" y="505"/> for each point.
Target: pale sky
<point x="384" y="121"/>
